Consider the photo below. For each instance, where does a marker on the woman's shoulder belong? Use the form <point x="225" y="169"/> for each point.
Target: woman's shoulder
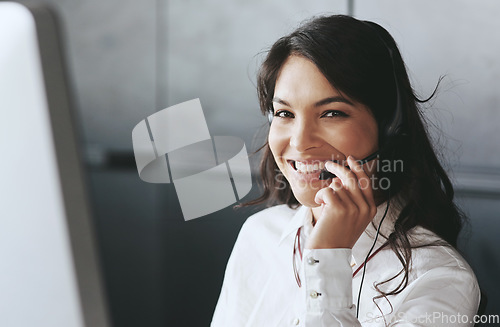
<point x="260" y="233"/>
<point x="431" y="253"/>
<point x="271" y="220"/>
<point x="436" y="266"/>
<point x="280" y="211"/>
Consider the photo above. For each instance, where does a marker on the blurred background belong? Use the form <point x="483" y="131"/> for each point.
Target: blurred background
<point x="129" y="59"/>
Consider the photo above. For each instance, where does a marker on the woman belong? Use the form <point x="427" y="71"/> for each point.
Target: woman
<point x="354" y="242"/>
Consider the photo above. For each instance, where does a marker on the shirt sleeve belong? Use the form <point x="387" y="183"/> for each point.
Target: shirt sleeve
<point x="328" y="288"/>
<point x="236" y="300"/>
<point x="228" y="311"/>
<point x="443" y="296"/>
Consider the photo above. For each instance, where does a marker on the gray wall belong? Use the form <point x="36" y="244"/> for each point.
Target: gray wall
<point x="129" y="59"/>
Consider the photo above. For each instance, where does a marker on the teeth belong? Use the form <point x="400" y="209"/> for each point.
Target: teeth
<point x="309" y="168"/>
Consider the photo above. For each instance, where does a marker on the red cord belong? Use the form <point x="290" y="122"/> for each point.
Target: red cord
<point x="369" y="258"/>
<point x="295" y="243"/>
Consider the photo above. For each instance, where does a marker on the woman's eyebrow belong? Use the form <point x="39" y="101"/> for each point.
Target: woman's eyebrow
<point x="331" y="100"/>
<point x="319" y="103"/>
<point x="280" y="101"/>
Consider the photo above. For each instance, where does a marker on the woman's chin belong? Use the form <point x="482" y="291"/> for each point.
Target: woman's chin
<point x="305" y="190"/>
<point x="306" y="198"/>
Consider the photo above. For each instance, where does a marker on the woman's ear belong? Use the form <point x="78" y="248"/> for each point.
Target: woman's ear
<point x="270" y="116"/>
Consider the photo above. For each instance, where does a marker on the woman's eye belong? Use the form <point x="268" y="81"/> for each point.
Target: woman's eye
<point x="334" y="113"/>
<point x="283" y="114"/>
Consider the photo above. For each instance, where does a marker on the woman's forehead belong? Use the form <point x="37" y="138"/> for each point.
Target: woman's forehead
<point x="299" y="77"/>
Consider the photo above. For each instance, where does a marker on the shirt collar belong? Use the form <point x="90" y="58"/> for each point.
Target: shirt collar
<point x="302" y="215"/>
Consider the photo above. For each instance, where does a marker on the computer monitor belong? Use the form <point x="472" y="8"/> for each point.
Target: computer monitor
<point x="49" y="272"/>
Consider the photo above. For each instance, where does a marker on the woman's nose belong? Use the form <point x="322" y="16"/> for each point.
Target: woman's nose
<point x="304" y="136"/>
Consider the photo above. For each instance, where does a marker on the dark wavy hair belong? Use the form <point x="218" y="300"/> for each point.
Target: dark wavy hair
<point x="361" y="60"/>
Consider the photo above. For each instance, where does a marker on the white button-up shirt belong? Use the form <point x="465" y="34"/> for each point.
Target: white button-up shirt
<point x="260" y="288"/>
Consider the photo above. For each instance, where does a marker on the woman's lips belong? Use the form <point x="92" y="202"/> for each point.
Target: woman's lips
<point x="307" y="167"/>
<point x="306" y="171"/>
<point x="310" y="170"/>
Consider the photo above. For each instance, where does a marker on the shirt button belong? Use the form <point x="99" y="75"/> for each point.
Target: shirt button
<point x="314" y="294"/>
<point x="311" y="261"/>
<point x="296" y="321"/>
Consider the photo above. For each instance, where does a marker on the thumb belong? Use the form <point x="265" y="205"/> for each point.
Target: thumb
<point x="327" y="198"/>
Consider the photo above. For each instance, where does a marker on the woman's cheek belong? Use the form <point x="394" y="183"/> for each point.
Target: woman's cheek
<point x="277" y="145"/>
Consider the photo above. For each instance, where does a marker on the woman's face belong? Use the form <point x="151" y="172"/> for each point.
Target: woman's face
<point x="314" y="123"/>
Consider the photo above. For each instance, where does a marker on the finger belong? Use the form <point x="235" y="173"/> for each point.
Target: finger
<point x="327" y="196"/>
<point x="363" y="179"/>
<point x="332" y="205"/>
<point x="342" y="193"/>
<point x="357" y="200"/>
<point x="348" y="178"/>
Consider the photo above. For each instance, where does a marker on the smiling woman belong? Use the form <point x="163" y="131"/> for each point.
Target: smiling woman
<point x="313" y="123"/>
<point x="338" y="91"/>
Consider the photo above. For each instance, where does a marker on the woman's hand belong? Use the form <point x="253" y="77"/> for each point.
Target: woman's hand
<point x="347" y="207"/>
